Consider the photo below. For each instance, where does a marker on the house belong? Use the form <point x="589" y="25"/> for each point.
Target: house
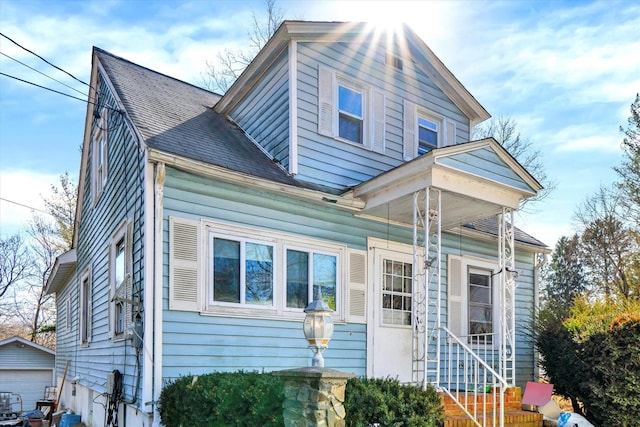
<point x="340" y="159"/>
<point x="26" y="369"/>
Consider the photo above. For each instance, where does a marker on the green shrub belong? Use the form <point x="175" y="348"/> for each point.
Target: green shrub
<point x="389" y="403"/>
<point x="611" y="392"/>
<point x="223" y="399"/>
<point x="559" y="353"/>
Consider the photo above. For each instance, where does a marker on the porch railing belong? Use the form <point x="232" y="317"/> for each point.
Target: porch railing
<point x="468" y="376"/>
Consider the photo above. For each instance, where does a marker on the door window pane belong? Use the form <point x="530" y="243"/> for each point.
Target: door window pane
<point x="396" y="292"/>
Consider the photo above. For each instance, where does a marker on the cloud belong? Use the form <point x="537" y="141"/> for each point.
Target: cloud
<point x="22" y="191"/>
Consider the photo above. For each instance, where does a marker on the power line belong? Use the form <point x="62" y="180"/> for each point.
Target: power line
<point x="35" y="54"/>
<point x="58" y="92"/>
<point x="24" y="206"/>
<point x="46" y="88"/>
<point x="40" y="72"/>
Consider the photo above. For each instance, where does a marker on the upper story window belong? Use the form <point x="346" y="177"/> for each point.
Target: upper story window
<point x="99" y="149"/>
<point x="350" y="114"/>
<point x="427" y="134"/>
<point x="351" y="111"/>
<point x="425" y="130"/>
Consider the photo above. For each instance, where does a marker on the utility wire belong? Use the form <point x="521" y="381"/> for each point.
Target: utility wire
<point x="24" y="206"/>
<point x="46" y="88"/>
<point x="40" y="72"/>
<point x="35" y="54"/>
<point x="58" y="92"/>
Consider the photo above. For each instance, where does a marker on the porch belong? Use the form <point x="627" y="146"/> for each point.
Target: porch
<point x="472" y="361"/>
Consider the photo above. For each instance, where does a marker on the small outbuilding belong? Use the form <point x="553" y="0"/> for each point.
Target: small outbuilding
<point x="26" y="368"/>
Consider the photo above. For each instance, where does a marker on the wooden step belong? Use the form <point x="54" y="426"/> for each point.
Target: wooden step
<point x="511" y="419"/>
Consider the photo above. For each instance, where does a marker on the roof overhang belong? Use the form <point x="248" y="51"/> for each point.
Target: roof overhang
<point x="63" y="268"/>
<point x="227" y="175"/>
<point x="301" y="31"/>
<point x="465" y="196"/>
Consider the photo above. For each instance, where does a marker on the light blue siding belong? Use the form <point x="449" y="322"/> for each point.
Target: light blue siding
<point x="338" y="164"/>
<point x="264" y="113"/>
<point x="223" y="343"/>
<point x="486" y="163"/>
<point x="122" y="199"/>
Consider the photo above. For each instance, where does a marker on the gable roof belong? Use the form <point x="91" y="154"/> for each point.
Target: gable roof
<point x="413" y="49"/>
<point x="177" y="118"/>
<point x="21" y="341"/>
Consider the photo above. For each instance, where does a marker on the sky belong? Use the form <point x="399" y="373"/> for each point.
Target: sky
<point x="565" y="71"/>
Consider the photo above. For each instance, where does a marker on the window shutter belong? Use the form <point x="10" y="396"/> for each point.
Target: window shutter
<point x="451" y="133"/>
<point x="454" y="287"/>
<point x="409" y="135"/>
<point x="357" y="295"/>
<point x="378" y="109"/>
<point x="325" y="101"/>
<point x="184" y="248"/>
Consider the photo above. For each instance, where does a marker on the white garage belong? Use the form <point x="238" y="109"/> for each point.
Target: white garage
<point x="26" y="368"/>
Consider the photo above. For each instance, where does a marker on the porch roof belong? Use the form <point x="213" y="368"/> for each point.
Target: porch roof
<point x="477" y="180"/>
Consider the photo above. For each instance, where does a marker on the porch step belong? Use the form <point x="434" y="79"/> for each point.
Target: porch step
<point x="511" y="419"/>
<point x="514" y="415"/>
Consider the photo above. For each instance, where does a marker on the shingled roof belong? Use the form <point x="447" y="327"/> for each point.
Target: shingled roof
<point x="177" y="118"/>
<point x="490" y="226"/>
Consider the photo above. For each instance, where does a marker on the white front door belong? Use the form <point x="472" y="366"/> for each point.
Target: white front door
<point x="389" y="345"/>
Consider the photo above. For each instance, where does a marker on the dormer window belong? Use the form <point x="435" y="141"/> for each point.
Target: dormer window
<point x="350" y="117"/>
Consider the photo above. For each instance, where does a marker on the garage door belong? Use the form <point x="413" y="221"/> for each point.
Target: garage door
<point x="29" y="384"/>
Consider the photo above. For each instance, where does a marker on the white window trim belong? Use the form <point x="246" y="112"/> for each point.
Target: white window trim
<point x="440" y="122"/>
<point x="242" y="240"/>
<point x="121" y="234"/>
<point x="366" y="110"/>
<point x="411" y="136"/>
<point x="373" y="110"/>
<point x="468" y="263"/>
<point x="280" y="242"/>
<point x="312" y="249"/>
<point x="85" y="328"/>
<point x="100" y="133"/>
<point x="67" y="308"/>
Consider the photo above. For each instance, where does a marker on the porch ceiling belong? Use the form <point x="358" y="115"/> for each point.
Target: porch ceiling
<point x="467" y="196"/>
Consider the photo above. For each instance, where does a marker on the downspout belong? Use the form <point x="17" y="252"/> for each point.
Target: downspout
<point x="157" y="329"/>
<point x="149" y="274"/>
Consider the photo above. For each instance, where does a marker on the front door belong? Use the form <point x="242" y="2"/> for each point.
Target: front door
<point x="390" y="319"/>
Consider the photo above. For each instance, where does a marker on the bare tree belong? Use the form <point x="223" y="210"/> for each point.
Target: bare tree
<point x="15" y="262"/>
<point x="608" y="244"/>
<point x="61" y="205"/>
<point x="505" y="130"/>
<point x="220" y="75"/>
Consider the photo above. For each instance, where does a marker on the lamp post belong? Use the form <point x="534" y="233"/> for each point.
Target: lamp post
<point x="318" y="328"/>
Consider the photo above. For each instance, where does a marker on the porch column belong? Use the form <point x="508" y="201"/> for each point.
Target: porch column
<point x="507" y="283"/>
<point x="427" y="285"/>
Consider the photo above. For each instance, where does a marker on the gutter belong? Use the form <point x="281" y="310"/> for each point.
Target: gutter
<point x="348" y="201"/>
